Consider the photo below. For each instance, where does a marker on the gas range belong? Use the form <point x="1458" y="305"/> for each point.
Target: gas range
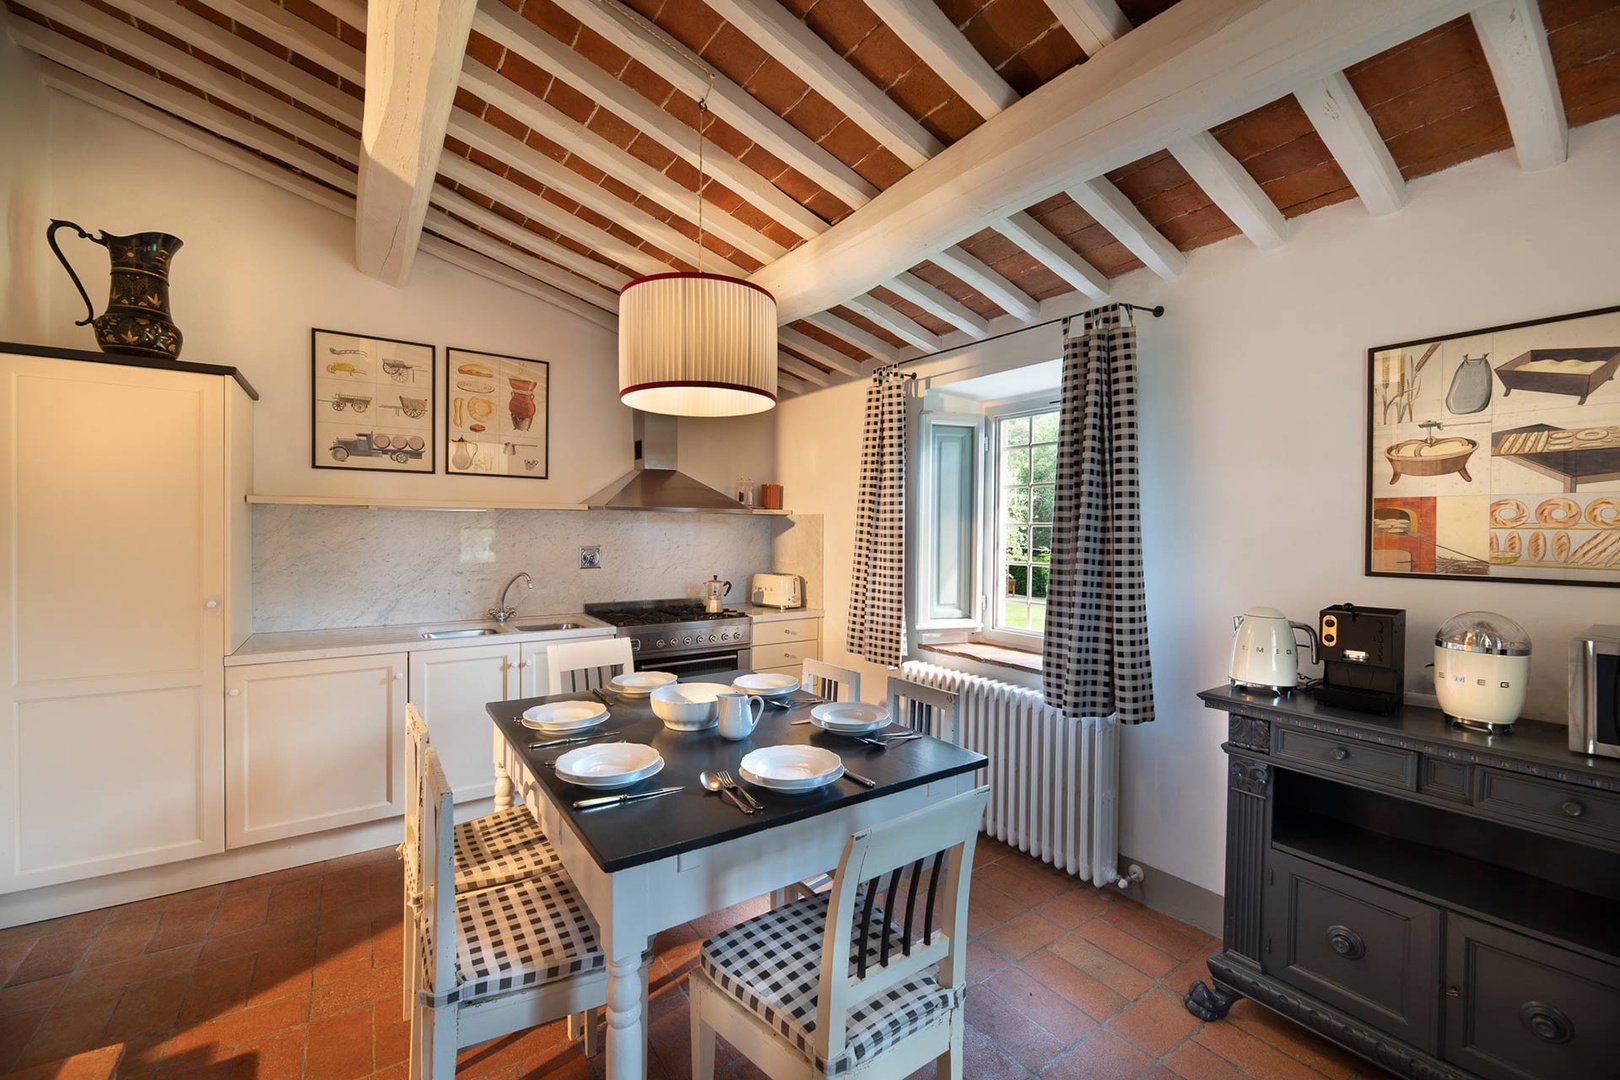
<point x="675" y="628"/>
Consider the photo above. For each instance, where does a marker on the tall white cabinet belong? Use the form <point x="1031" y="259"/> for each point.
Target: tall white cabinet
<point x="124" y="570"/>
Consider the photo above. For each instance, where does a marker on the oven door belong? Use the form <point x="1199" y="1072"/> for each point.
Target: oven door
<point x="688" y="665"/>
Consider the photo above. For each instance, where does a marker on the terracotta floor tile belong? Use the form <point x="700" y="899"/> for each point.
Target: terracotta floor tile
<point x="1168" y="936"/>
<point x="1081" y="989"/>
<point x="28" y="996"/>
<point x="124" y="939"/>
<point x="263" y="937"/>
<point x="71" y="1028"/>
<point x="217" y="989"/>
<point x="340" y="955"/>
<point x="15" y="1033"/>
<point x="1102" y="965"/>
<point x="982" y="963"/>
<point x="1015" y="1034"/>
<point x="1104" y="1056"/>
<point x="1199" y="1063"/>
<point x="340" y="1047"/>
<point x="293" y="899"/>
<point x="242" y="1026"/>
<point x="984" y="1060"/>
<point x="1021" y="882"/>
<point x="340" y="888"/>
<point x="1046" y="1007"/>
<point x="274" y="877"/>
<point x="87" y="982"/>
<point x="275" y="1057"/>
<point x="387" y="943"/>
<point x="1017" y="939"/>
<point x="54" y="954"/>
<point x="281" y="970"/>
<point x="1127" y="947"/>
<point x="378" y="984"/>
<point x="1251" y="1055"/>
<point x="1156" y="1021"/>
<point x="390" y="1034"/>
<point x="12" y="954"/>
<point x="1329" y="1059"/>
<point x="148" y="1008"/>
<point x="184" y="924"/>
<point x="1076" y="905"/>
<point x="143" y="1055"/>
<point x="240" y="911"/>
<point x="99" y="1064"/>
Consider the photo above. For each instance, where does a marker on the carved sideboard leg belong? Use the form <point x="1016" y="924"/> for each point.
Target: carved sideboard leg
<point x="1207" y="1002"/>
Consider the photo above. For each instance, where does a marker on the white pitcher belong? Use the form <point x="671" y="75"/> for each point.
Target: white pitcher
<point x="738" y="715"/>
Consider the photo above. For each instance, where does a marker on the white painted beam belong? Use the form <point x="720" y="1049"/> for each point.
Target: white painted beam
<point x="1114" y="212"/>
<point x="512" y="31"/>
<point x="305" y="39"/>
<point x="1338" y="116"/>
<point x="1054" y="254"/>
<point x="938" y="43"/>
<point x="526" y="261"/>
<point x="1092" y="23"/>
<point x="516" y="154"/>
<point x="1199" y="63"/>
<point x="938" y="304"/>
<point x="789" y="384"/>
<point x="881" y="351"/>
<point x="502" y="271"/>
<point x="177" y="101"/>
<point x="784" y="37"/>
<point x="583" y="265"/>
<point x="1230" y="187"/>
<point x="413" y="58"/>
<point x="892" y="321"/>
<point x="791" y="364"/>
<point x="963" y="266"/>
<point x="815" y="350"/>
<point x="1515" y="43"/>
<point x="729" y="102"/>
<point x="623" y="166"/>
<point x="352" y="12"/>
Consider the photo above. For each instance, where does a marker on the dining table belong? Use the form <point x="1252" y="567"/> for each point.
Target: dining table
<point x="649" y="865"/>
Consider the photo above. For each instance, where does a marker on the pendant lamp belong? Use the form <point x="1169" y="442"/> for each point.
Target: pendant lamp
<point x="697" y="344"/>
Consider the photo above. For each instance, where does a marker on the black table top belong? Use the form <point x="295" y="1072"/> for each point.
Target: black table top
<point x="620" y="837"/>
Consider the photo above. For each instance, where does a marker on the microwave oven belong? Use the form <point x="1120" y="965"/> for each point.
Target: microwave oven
<point x="1594" y="692"/>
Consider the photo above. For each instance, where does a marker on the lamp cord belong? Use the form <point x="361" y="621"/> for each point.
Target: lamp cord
<point x="703" y="180"/>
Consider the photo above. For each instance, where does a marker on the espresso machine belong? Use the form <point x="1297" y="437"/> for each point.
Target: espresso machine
<point x="1363" y="658"/>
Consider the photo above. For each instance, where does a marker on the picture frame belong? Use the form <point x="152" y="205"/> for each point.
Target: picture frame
<point x="1494" y="454"/>
<point x="372" y="403"/>
<point x="497" y="415"/>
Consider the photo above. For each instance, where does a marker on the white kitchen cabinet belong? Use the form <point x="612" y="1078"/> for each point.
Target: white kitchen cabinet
<point x="450" y="687"/>
<point x="783" y="645"/>
<point x="313" y="745"/>
<point x="126" y="543"/>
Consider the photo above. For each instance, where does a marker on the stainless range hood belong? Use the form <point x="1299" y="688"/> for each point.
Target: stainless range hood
<point x="654" y="484"/>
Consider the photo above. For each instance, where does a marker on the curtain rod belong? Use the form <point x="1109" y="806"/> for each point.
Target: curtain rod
<point x="1157" y="311"/>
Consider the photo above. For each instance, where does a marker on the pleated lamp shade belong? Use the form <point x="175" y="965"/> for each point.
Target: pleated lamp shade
<point x="697" y="345"/>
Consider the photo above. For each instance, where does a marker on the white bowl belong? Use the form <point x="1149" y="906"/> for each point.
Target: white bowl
<point x="689" y="706"/>
<point x="634" y="684"/>
<point x="609" y="765"/>
<point x="850" y="717"/>
<point x="791" y="768"/>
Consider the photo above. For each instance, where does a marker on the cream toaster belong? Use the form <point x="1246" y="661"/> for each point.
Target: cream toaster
<point x="776" y="590"/>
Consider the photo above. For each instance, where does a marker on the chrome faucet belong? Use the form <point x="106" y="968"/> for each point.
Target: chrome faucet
<point x="506" y="611"/>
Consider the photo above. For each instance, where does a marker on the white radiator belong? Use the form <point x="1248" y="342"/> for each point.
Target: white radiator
<point x="1054" y="781"/>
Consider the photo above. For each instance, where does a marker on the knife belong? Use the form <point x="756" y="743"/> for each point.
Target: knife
<point x="864" y="781"/>
<point x="576" y="739"/>
<point x="620" y="800"/>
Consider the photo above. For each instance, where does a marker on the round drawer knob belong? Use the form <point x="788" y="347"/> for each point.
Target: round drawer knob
<point x="235" y="693"/>
<point x="210" y="604"/>
<point x="1573" y="808"/>
<point x="1546" y="1022"/>
<point x="1346" y="942"/>
<point x="1338" y="753"/>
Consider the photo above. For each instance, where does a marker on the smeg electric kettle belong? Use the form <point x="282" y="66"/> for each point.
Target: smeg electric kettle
<point x="1264" y="650"/>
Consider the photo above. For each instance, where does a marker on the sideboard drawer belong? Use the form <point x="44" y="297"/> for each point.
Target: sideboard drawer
<point x="786" y="631"/>
<point x="783" y="656"/>
<point x="1348" y="757"/>
<point x="1579" y="811"/>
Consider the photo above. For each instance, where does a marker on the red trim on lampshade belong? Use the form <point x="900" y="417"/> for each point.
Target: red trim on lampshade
<point x="698" y="382"/>
<point x="694" y="274"/>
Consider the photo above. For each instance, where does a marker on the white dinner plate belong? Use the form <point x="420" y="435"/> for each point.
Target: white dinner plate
<point x="849" y="717"/>
<point x="561" y="716"/>
<point x="765" y="684"/>
<point x="791" y="768"/>
<point x="639" y="683"/>
<point x="611" y="765"/>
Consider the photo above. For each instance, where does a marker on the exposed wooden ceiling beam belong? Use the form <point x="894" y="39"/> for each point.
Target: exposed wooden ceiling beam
<point x="1114" y="212"/>
<point x="304" y="39"/>
<point x="892" y="321"/>
<point x="789" y="384"/>
<point x="1092" y="23"/>
<point x="211" y="38"/>
<point x="938" y="304"/>
<point x="1515" y="43"/>
<point x="510" y="231"/>
<point x="516" y="154"/>
<point x="1230" y="187"/>
<point x="549" y="123"/>
<point x="413" y="58"/>
<point x="730" y="102"/>
<point x="789" y="40"/>
<point x="883" y="351"/>
<point x="815" y="350"/>
<point x="1054" y="254"/>
<point x="938" y="43"/>
<point x="970" y="271"/>
<point x="516" y="34"/>
<point x="352" y="12"/>
<point x="1338" y="116"/>
<point x="524" y="260"/>
<point x="1201" y="62"/>
<point x="502" y="271"/>
<point x="786" y="361"/>
<point x="508" y="193"/>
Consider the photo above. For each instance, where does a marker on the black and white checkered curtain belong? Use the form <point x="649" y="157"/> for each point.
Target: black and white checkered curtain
<point x="1095" y="658"/>
<point x="877" y="594"/>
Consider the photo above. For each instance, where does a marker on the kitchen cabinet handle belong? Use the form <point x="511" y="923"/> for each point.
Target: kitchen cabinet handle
<point x="210" y="603"/>
<point x="1573" y="808"/>
<point x="399" y="676"/>
<point x="234" y="692"/>
<point x="1338" y="753"/>
<point x="1546" y="1022"/>
<point x="1346" y="942"/>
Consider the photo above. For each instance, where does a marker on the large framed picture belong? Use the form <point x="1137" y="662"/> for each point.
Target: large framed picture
<point x="497" y="414"/>
<point x="1495" y="454"/>
<point x="372" y="403"/>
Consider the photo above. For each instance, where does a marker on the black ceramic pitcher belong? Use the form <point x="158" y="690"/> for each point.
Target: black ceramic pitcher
<point x="137" y="318"/>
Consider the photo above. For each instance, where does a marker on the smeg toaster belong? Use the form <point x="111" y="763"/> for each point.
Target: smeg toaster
<point x="776" y="590"/>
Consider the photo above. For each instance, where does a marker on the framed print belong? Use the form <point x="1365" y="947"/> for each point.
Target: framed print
<point x="497" y="414"/>
<point x="1495" y="454"/>
<point x="373" y="403"/>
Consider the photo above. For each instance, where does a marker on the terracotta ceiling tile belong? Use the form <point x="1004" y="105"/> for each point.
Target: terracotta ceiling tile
<point x="988" y="246"/>
<point x="600" y="51"/>
<point x="1204" y="226"/>
<point x="1049" y="56"/>
<point x="735" y="54"/>
<point x="570" y="102"/>
<point x="747" y="214"/>
<point x="526" y="75"/>
<point x="485" y="51"/>
<point x="983" y="35"/>
<point x="814" y="115"/>
<point x="958" y="290"/>
<point x="516" y="217"/>
<point x="647" y="8"/>
<point x="1415" y="64"/>
<point x="1327" y="198"/>
<point x="952" y="120"/>
<point x="1581" y="41"/>
<point x="1270" y="126"/>
<point x="553" y="150"/>
<point x="1591" y="92"/>
<point x="798" y="7"/>
<point x="1173" y="202"/>
<point x="351" y="36"/>
<point x="655" y="88"/>
<point x="690" y="23"/>
<point x="683" y="174"/>
<point x="920" y="92"/>
<point x="843" y="24"/>
<point x="775" y="86"/>
<point x="1306" y="152"/>
<point x="313" y="14"/>
<point x="960" y="11"/>
<point x="1131" y="168"/>
<point x="881" y="168"/>
<point x="769" y="165"/>
<point x="862" y="322"/>
<point x="648" y="150"/>
<point x="1061" y="215"/>
<point x="585" y="213"/>
<point x="1149" y="176"/>
<point x="721" y="134"/>
<point x="849" y="143"/>
<point x="551" y="18"/>
<point x="613" y="129"/>
<point x="781" y="234"/>
<point x="1440" y="145"/>
<point x="501" y="121"/>
<point x="912" y="311"/>
<point x="466" y="102"/>
<point x="524" y="180"/>
<point x="883" y="58"/>
<point x="721" y="197"/>
<point x="629" y="194"/>
<point x="823" y="205"/>
<point x="1433" y="103"/>
<point x="1005" y="27"/>
<point x="493" y="164"/>
<point x="457" y="147"/>
<point x="832" y="341"/>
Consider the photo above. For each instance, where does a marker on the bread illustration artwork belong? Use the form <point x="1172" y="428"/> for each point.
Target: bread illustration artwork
<point x="1559" y="513"/>
<point x="1560" y="547"/>
<point x="477" y="370"/>
<point x="1536" y="548"/>
<point x="1513" y="545"/>
<point x="1496" y="545"/>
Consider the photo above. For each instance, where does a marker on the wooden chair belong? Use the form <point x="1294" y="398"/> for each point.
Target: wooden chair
<point x="831" y="682"/>
<point x="927" y="709"/>
<point x="492" y="962"/>
<point x="573" y="666"/>
<point x="834" y="985"/>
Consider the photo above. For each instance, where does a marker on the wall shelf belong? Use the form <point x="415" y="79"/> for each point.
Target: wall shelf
<point x="455" y="505"/>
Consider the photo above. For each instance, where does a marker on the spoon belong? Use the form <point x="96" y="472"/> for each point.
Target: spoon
<point x="713" y="784"/>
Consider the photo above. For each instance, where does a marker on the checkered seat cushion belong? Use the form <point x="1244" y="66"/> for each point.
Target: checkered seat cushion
<point x="501" y="848"/>
<point x="523" y="934"/>
<point x="772" y="965"/>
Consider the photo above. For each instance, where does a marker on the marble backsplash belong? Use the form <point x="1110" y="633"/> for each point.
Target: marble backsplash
<point x="318" y="567"/>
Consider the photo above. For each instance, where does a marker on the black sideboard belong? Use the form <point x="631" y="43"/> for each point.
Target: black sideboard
<point x="1444" y="903"/>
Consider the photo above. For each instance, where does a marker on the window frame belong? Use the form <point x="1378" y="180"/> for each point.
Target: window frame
<point x="991" y="570"/>
<point x="928" y="553"/>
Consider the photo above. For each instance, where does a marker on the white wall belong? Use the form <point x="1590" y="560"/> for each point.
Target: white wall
<point x="25" y="259"/>
<point x="1253" y="428"/>
<point x="261" y="266"/>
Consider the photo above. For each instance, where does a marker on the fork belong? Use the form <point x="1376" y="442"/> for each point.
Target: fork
<point x="731" y="785"/>
<point x="885" y="742"/>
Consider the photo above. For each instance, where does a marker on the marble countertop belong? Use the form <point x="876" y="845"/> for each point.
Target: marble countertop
<point x="366" y="640"/>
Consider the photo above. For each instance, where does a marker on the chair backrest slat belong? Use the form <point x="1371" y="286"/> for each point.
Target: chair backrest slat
<point x="416" y="740"/>
<point x="831" y="682"/>
<point x="923" y="708"/>
<point x="573" y="667"/>
<point x="933" y="890"/>
<point x="911" y="903"/>
<point x="438" y="865"/>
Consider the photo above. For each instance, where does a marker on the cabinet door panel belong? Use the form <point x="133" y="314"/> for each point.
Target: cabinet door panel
<point x="1526" y="1010"/>
<point x="450" y="688"/>
<point x="312" y="746"/>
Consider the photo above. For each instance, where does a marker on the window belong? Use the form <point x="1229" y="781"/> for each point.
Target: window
<point x="1025" y="473"/>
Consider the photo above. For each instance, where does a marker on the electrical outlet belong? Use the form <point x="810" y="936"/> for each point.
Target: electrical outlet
<point x="590" y="558"/>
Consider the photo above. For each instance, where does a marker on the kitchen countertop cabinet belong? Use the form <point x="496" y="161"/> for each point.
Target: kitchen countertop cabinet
<point x="1438" y="901"/>
<point x="782" y="643"/>
<point x="450" y="687"/>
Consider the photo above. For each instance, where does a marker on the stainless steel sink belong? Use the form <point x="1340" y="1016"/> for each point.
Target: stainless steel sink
<point x="534" y="627"/>
<point x="439" y="635"/>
